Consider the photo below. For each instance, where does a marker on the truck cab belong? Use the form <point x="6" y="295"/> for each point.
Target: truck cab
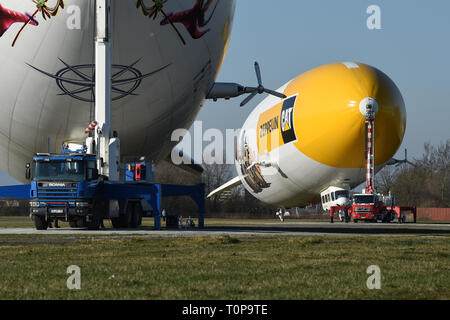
<point x="63" y="187"/>
<point x="366" y="207"/>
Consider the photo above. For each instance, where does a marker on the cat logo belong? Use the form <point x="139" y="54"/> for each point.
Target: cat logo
<point x="287" y="120"/>
<point x="276" y="126"/>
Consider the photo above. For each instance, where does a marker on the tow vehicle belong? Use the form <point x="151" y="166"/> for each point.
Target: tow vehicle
<point x="68" y="187"/>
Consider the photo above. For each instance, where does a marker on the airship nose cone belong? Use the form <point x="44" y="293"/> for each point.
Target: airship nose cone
<point x="332" y="106"/>
<point x="368" y="108"/>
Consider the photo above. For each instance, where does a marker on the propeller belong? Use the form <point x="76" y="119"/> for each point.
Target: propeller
<point x="260" y="89"/>
<point x="399" y="162"/>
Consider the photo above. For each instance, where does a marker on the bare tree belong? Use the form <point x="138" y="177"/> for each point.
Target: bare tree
<point x="215" y="175"/>
<point x="428" y="184"/>
<point x="385" y="179"/>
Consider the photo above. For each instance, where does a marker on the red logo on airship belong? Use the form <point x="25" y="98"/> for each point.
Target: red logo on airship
<point x="193" y="19"/>
<point x="8" y="17"/>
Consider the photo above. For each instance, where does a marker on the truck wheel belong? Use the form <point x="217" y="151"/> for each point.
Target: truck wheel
<point x="95" y="223"/>
<point x="40" y="223"/>
<point x="136" y="216"/>
<point x="124" y="220"/>
<point x="128" y="217"/>
<point x="116" y="223"/>
<point x="81" y="223"/>
<point x="73" y="224"/>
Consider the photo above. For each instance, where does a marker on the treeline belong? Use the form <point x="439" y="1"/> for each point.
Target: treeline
<point x="14" y="207"/>
<point x="426" y="184"/>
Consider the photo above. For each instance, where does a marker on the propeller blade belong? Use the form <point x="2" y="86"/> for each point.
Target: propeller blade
<point x="260" y="89"/>
<point x="275" y="93"/>
<point x="250" y="97"/>
<point x="258" y="73"/>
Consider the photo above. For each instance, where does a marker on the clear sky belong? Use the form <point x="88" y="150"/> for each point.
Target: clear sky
<point x="289" y="37"/>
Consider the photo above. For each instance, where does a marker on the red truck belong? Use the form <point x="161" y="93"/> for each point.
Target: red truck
<point x="371" y="207"/>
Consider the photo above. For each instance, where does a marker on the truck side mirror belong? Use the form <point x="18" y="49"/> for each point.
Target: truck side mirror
<point x="28" y="171"/>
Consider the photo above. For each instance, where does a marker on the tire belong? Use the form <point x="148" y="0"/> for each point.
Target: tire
<point x="95" y="223"/>
<point x="136" y="215"/>
<point x="116" y="223"/>
<point x="127" y="218"/>
<point x="123" y="220"/>
<point x="81" y="223"/>
<point x="40" y="223"/>
<point x="73" y="224"/>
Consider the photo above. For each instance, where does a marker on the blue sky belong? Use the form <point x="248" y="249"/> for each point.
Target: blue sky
<point x="289" y="37"/>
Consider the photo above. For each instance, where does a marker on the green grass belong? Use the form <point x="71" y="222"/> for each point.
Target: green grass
<point x="224" y="267"/>
<point x="15" y="222"/>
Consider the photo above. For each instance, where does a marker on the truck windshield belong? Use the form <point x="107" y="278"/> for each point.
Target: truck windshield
<point x="364" y="199"/>
<point x="59" y="171"/>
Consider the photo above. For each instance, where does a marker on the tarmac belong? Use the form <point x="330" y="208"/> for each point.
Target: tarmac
<point x="286" y="228"/>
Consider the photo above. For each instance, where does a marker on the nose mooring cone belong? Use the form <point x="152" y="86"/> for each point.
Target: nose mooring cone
<point x="368" y="107"/>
